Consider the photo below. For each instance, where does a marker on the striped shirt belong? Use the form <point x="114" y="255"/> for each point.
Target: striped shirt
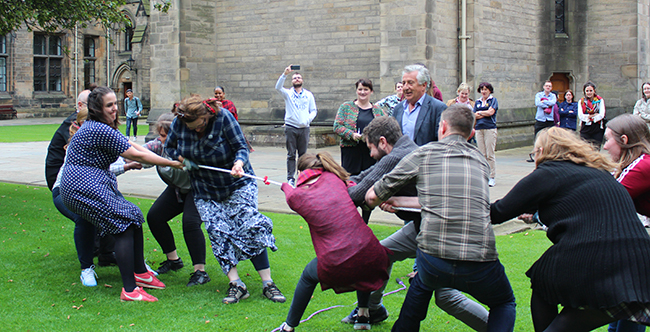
<point x="452" y="182"/>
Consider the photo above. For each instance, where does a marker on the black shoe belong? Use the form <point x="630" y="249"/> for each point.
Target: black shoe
<point x="376" y="315"/>
<point x="235" y="294"/>
<point x="170" y="265"/>
<point x="198" y="277"/>
<point x="530" y="158"/>
<point x="106" y="259"/>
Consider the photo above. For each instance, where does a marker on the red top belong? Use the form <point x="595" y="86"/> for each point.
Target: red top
<point x="349" y="255"/>
<point x="636" y="179"/>
<point x="227" y="104"/>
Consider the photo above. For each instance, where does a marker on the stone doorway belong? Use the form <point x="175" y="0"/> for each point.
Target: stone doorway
<point x="561" y="83"/>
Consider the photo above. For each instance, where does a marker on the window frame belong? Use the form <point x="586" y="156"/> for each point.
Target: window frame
<point x="52" y="56"/>
<point x="4" y="59"/>
<point x="89" y="60"/>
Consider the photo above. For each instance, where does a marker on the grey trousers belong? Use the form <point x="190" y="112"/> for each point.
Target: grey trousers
<point x="297" y="140"/>
<point x="403" y="245"/>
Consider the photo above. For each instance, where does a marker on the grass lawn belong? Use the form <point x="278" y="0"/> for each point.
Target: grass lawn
<point x="36" y="133"/>
<point x="41" y="291"/>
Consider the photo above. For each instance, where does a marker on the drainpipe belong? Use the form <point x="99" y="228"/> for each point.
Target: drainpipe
<point x="108" y="58"/>
<point x="463" y="41"/>
<point x="76" y="65"/>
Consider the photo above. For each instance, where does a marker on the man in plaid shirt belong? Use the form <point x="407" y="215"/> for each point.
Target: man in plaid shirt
<point x="456" y="246"/>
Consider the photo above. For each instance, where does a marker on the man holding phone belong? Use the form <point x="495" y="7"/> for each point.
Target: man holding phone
<point x="300" y="111"/>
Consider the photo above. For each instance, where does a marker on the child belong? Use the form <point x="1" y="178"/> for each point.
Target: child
<point x="348" y="255"/>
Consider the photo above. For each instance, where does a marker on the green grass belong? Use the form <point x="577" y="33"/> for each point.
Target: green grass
<point x="37" y="133"/>
<point x="41" y="291"/>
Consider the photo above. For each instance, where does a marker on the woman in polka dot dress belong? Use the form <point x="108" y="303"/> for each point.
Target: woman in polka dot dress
<point x="89" y="189"/>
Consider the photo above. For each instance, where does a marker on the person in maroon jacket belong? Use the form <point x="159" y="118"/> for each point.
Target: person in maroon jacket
<point x="348" y="255"/>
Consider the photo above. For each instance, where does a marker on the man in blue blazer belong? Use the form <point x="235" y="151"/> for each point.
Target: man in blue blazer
<point x="419" y="114"/>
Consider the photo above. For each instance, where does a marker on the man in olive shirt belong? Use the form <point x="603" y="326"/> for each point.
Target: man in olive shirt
<point x="456" y="245"/>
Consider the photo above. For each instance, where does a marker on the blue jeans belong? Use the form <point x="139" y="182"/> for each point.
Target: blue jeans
<point x="84" y="232"/>
<point x="625" y="326"/>
<point x="485" y="281"/>
<point x="130" y="121"/>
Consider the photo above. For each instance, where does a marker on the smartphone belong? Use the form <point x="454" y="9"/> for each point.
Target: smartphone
<point x="295" y="67"/>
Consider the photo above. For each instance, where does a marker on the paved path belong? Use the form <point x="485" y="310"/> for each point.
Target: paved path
<point x="24" y="163"/>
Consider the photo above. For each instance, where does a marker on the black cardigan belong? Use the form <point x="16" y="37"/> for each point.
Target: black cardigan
<point x="600" y="255"/>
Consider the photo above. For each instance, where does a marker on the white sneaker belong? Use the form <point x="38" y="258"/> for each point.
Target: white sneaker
<point x="491" y="182"/>
<point x="88" y="277"/>
<point x="135" y="138"/>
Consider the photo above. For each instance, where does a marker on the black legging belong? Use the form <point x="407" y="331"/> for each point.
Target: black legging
<point x="169" y="205"/>
<point x="546" y="318"/>
<point x="129" y="252"/>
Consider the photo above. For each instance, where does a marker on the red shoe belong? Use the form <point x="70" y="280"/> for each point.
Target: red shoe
<point x="148" y="280"/>
<point x="138" y="294"/>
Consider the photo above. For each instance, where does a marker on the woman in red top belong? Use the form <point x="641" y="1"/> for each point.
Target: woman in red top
<point x="220" y="96"/>
<point x="348" y="255"/>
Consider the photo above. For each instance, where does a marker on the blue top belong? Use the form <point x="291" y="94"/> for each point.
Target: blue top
<point x="132" y="108"/>
<point x="220" y="146"/>
<point x="409" y="118"/>
<point x="489" y="122"/>
<point x="568" y="115"/>
<point x="548" y="101"/>
<point x="88" y="188"/>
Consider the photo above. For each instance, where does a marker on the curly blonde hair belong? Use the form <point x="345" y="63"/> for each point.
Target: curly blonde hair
<point x="555" y="144"/>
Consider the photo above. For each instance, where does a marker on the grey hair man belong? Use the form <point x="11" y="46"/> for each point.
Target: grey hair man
<point x="419" y="114"/>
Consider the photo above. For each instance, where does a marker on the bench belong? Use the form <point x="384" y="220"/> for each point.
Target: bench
<point x="8" y="111"/>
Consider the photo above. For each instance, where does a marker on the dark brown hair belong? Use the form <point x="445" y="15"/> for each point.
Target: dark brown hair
<point x="96" y="106"/>
<point x="365" y="82"/>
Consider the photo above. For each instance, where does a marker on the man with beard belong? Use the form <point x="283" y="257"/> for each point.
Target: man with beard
<point x="388" y="146"/>
<point x="419" y="114"/>
<point x="300" y="111"/>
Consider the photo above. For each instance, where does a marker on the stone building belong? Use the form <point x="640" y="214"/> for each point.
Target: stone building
<point x="245" y="45"/>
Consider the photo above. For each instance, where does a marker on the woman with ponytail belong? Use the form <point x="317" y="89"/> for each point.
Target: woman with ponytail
<point x="205" y="134"/>
<point x="348" y="255"/>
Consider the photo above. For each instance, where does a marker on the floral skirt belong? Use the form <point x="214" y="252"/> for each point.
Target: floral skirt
<point x="236" y="229"/>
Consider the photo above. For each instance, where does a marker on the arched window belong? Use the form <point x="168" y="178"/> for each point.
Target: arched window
<point x="128" y="35"/>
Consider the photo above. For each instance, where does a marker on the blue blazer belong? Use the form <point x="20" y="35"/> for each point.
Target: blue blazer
<point x="426" y="127"/>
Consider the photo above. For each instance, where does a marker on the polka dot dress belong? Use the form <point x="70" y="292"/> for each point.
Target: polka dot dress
<point x="88" y="188"/>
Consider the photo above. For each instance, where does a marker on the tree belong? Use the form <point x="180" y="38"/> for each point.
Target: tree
<point x="52" y="15"/>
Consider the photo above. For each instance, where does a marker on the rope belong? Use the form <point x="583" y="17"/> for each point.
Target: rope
<point x="223" y="170"/>
<point x="398" y="280"/>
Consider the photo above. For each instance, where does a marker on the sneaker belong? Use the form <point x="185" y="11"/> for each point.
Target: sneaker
<point x="376" y="315"/>
<point x="170" y="265"/>
<point x="273" y="293"/>
<point x="148" y="280"/>
<point x="235" y="294"/>
<point x="198" y="277"/>
<point x="150" y="269"/>
<point x="292" y="182"/>
<point x="285" y="327"/>
<point x="362" y="323"/>
<point x="135" y="138"/>
<point x="88" y="277"/>
<point x="138" y="294"/>
<point x="106" y="259"/>
<point x="491" y="182"/>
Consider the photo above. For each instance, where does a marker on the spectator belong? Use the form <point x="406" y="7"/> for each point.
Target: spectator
<point x="485" y="110"/>
<point x="591" y="111"/>
<point x="133" y="109"/>
<point x="642" y="106"/>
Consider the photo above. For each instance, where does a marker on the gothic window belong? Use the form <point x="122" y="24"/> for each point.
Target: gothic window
<point x="48" y="57"/>
<point x="89" y="60"/>
<point x="128" y="35"/>
<point x="3" y="63"/>
<point x="559" y="17"/>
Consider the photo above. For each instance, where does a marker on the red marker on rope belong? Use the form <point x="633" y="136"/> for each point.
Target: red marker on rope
<point x="223" y="170"/>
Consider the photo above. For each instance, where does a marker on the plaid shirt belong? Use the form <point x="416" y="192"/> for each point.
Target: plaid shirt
<point x="221" y="145"/>
<point x="452" y="182"/>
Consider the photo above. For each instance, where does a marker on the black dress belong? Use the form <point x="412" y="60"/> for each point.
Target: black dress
<point x="600" y="255"/>
<point x="356" y="159"/>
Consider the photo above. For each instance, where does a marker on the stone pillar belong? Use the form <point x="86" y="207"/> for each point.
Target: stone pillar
<point x="165" y="73"/>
